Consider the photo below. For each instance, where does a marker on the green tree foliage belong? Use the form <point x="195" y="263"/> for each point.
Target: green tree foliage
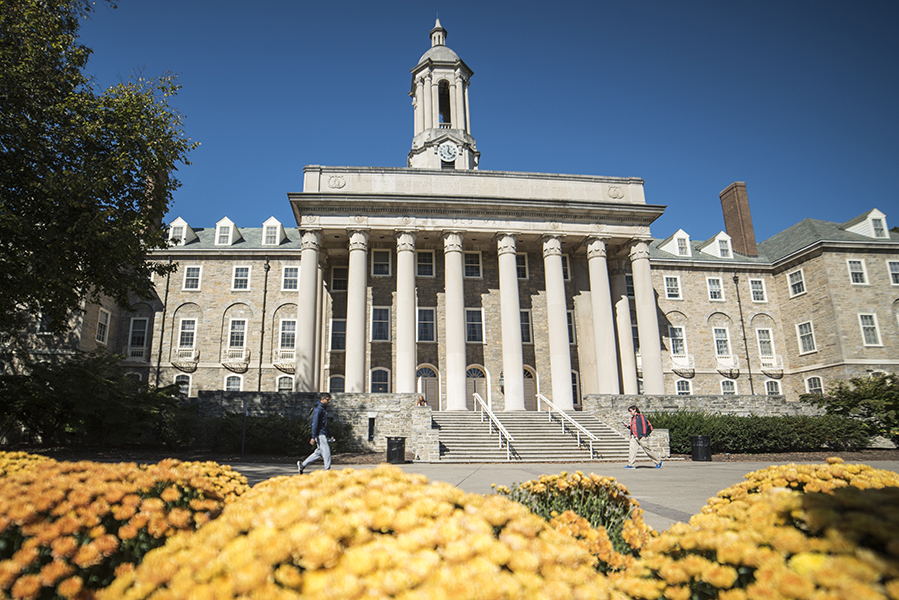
<point x="874" y="400"/>
<point x="87" y="398"/>
<point x="86" y="176"/>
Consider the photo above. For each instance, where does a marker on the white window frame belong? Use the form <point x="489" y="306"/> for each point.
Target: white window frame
<point x="377" y="265"/>
<point x="893" y="274"/>
<point x="726" y="339"/>
<point x="818" y="389"/>
<point x="728" y="387"/>
<point x="770" y="341"/>
<point x="465" y="264"/>
<point x="239" y="379"/>
<point x="772" y="387"/>
<point x="878" y="228"/>
<point x="176" y="234"/>
<point x="181" y="389"/>
<point x="220" y="231"/>
<point x="873" y="326"/>
<point x="810" y="334"/>
<point x="724" y="250"/>
<point x="295" y="279"/>
<point x="193" y="333"/>
<point x="103" y="319"/>
<point x="682" y="338"/>
<point x="419" y="264"/>
<point x="419" y="322"/>
<point x="131" y="343"/>
<point x="480" y="312"/>
<point x="668" y="295"/>
<point x="331" y="347"/>
<point x="282" y="378"/>
<point x="863" y="273"/>
<point x="683" y="246"/>
<point x="764" y="292"/>
<point x="199" y="278"/>
<point x="266" y="229"/>
<point x="529" y="326"/>
<point x="708" y="283"/>
<point x="234" y="287"/>
<point x="572" y="328"/>
<point x="522" y="257"/>
<point x="335" y="279"/>
<point x="232" y="331"/>
<point x="371" y="380"/>
<point x="282" y="332"/>
<point x="683" y="387"/>
<point x="372" y="323"/>
<point x="566" y="268"/>
<point x="800" y="282"/>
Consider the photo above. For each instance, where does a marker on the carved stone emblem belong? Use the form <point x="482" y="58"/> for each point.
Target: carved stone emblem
<point x="554" y="225"/>
<point x="615" y="192"/>
<point x="359" y="219"/>
<point x="310" y="218"/>
<point x="336" y="182"/>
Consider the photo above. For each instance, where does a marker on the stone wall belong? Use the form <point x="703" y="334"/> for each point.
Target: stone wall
<point x="384" y="415"/>
<point x="612" y="409"/>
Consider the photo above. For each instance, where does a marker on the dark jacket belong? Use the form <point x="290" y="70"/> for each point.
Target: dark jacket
<point x="320" y="421"/>
<point x="640" y="426"/>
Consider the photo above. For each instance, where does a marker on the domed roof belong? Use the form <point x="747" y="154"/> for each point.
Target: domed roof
<point x="439" y="54"/>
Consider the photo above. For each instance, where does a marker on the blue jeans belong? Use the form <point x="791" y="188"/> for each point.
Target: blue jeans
<point x="322" y="450"/>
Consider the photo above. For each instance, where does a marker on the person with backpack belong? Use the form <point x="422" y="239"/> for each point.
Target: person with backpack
<point x="321" y="435"/>
<point x="640" y="427"/>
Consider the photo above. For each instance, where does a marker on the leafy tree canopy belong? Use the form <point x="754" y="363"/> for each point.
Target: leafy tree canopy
<point x="86" y="175"/>
<point x="874" y="400"/>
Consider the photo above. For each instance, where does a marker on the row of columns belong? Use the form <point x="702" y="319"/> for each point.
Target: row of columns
<point x="427" y="103"/>
<point x="611" y="314"/>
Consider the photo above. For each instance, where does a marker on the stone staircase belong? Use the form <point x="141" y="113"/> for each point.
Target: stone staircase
<point x="465" y="438"/>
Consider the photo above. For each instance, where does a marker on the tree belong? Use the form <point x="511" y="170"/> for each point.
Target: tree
<point x="874" y="400"/>
<point x="85" y="176"/>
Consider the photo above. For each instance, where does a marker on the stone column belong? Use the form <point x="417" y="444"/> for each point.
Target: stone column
<point x="603" y="325"/>
<point x="405" y="312"/>
<point x="467" y="112"/>
<point x="306" y="316"/>
<point x="454" y="334"/>
<point x="319" y="315"/>
<point x="623" y="324"/>
<point x="418" y="102"/>
<point x="557" y="313"/>
<point x="510" y="309"/>
<point x="428" y="97"/>
<point x="647" y="320"/>
<point x="357" y="289"/>
<point x="458" y="103"/>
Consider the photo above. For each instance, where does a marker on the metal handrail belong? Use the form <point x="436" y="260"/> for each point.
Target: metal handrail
<point x="579" y="429"/>
<point x="503" y="433"/>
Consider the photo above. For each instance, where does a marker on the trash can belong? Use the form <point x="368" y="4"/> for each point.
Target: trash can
<point x="396" y="450"/>
<point x="702" y="447"/>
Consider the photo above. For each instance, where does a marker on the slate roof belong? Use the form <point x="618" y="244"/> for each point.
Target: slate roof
<point x="809" y="231"/>
<point x="252" y="240"/>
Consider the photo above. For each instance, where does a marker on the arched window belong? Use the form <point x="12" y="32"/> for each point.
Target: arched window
<point x="183" y="382"/>
<point x="814" y="386"/>
<point x="446" y="120"/>
<point x="285" y="383"/>
<point x="380" y="381"/>
<point x="683" y="387"/>
<point x="336" y="384"/>
<point x="772" y="387"/>
<point x="425" y="372"/>
<point x="728" y="387"/>
<point x="233" y="383"/>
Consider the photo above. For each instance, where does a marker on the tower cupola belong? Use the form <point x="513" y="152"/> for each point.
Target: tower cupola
<point x="442" y="119"/>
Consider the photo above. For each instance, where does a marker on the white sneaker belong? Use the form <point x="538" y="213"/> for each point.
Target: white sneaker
<point x="300" y="467"/>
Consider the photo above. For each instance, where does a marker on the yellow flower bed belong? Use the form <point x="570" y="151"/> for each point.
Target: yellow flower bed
<point x="366" y="534"/>
<point x="776" y="542"/>
<point x="11" y="462"/>
<point x="66" y="528"/>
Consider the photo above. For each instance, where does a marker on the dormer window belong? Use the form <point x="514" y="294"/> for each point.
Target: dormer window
<point x="724" y="248"/>
<point x="678" y="244"/>
<point x="271" y="235"/>
<point x="683" y="247"/>
<point x="879" y="230"/>
<point x="226" y="233"/>
<point x="272" y="232"/>
<point x="872" y="224"/>
<point x="718" y="246"/>
<point x="180" y="232"/>
<point x="178" y="235"/>
<point x="223" y="237"/>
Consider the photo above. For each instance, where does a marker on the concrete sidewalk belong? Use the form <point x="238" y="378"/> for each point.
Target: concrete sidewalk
<point x="673" y="493"/>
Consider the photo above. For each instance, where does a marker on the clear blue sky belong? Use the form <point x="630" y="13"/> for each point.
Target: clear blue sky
<point x="797" y="98"/>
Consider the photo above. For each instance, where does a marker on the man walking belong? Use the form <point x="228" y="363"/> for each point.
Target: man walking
<point x="321" y="435"/>
<point x="639" y="428"/>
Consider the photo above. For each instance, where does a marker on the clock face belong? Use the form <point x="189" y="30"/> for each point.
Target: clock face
<point x="447" y="151"/>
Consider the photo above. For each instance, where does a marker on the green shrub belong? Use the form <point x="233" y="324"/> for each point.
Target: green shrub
<point x="759" y="435"/>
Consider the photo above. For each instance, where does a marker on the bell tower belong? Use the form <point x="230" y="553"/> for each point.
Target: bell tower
<point x="442" y="138"/>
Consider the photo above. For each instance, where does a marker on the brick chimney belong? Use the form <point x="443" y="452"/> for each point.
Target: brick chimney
<point x="737" y="220"/>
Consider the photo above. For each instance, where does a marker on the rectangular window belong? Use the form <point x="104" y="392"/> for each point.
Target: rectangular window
<point x="870" y="332"/>
<point x="806" y="337"/>
<point x="526" y="334"/>
<point x="879" y="230"/>
<point x="682" y="248"/>
<point x="137" y="338"/>
<point x="757" y="289"/>
<point x="728" y="387"/>
<point x="237" y="339"/>
<point x="380" y="324"/>
<point x="241" y="278"/>
<point x="716" y="291"/>
<point x="797" y="283"/>
<point x="426" y="329"/>
<point x="474" y="327"/>
<point x="177" y="233"/>
<point x="635" y="335"/>
<point x="766" y="343"/>
<point x="672" y="288"/>
<point x="271" y="235"/>
<point x="521" y="265"/>
<point x="814" y="386"/>
<point x="424" y="263"/>
<point x="772" y="387"/>
<point x="683" y="387"/>
<point x="566" y="268"/>
<point x="472" y="264"/>
<point x="857" y="272"/>
<point x="678" y="341"/>
<point x="380" y="263"/>
<point x="291" y="279"/>
<point x="723" y="249"/>
<point x="224" y="235"/>
<point x="187" y="333"/>
<point x="338" y="335"/>
<point x="340" y="278"/>
<point x="893" y="268"/>
<point x="629" y="285"/>
<point x="571" y="328"/>
<point x="192" y="278"/>
<point x="103" y="326"/>
<point x="722" y="341"/>
<point x="288" y="335"/>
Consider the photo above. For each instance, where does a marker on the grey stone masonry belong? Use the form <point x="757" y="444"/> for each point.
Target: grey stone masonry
<point x="612" y="409"/>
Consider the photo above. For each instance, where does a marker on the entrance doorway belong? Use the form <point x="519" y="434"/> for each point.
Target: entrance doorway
<point x="475" y="382"/>
<point x="428" y="386"/>
<point x="530" y="390"/>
